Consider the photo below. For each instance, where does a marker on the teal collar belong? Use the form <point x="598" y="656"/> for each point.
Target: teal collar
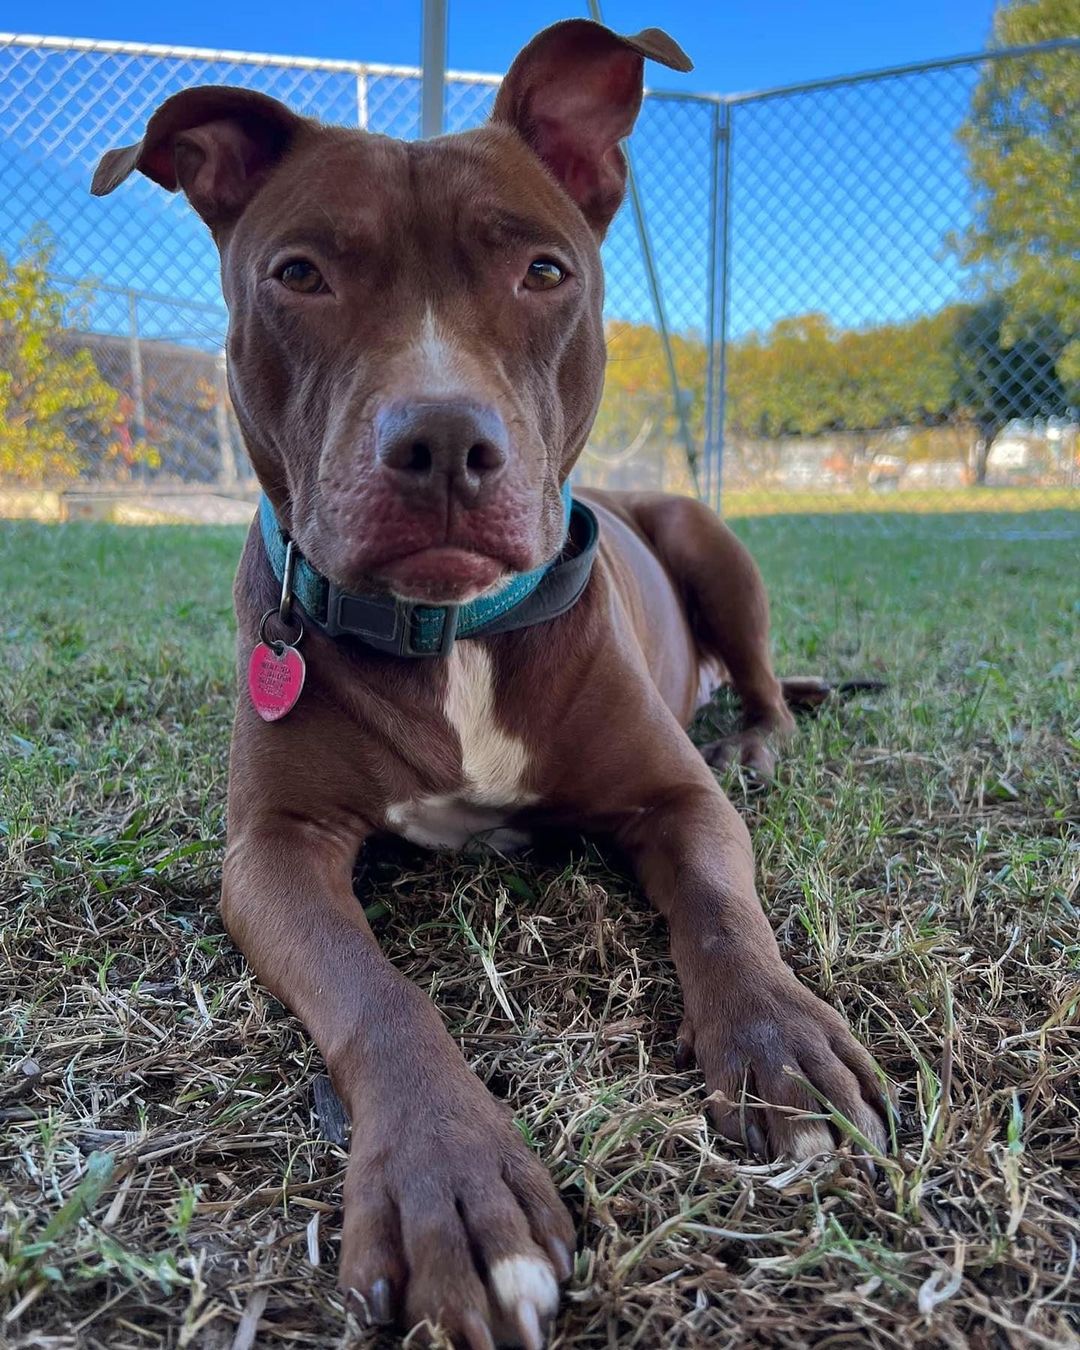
<point x="399" y="628"/>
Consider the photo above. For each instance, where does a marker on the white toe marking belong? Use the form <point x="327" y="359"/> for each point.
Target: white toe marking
<point x="525" y="1279"/>
<point x="532" y="1338"/>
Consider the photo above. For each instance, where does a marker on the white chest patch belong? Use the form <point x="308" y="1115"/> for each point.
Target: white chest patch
<point x="493" y="767"/>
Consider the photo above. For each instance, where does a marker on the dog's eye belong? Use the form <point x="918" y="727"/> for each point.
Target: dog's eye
<point x="543" y="275"/>
<point x="301" y="276"/>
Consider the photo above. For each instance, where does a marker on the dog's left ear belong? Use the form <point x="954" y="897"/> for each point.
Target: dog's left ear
<point x="574" y="93"/>
<point x="216" y="143"/>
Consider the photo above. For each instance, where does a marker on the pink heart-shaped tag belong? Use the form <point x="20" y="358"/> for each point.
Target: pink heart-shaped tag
<point x="275" y="681"/>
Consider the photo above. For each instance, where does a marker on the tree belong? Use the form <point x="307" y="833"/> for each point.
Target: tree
<point x="805" y="377"/>
<point x="896" y="374"/>
<point x="1023" y="147"/>
<point x="959" y="367"/>
<point x="786" y="382"/>
<point x="998" y="379"/>
<point x="52" y="399"/>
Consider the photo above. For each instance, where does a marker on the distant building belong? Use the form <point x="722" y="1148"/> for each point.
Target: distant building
<point x="1037" y="450"/>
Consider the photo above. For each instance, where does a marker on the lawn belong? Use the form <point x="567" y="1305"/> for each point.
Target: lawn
<point x="772" y="501"/>
<point x="166" y="1180"/>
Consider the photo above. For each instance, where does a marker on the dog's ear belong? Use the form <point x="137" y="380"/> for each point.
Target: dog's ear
<point x="574" y="93"/>
<point x="215" y="143"/>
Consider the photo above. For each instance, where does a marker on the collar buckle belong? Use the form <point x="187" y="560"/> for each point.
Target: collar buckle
<point x="449" y="629"/>
<point x="389" y="628"/>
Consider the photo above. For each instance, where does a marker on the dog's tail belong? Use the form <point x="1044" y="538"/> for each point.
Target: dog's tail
<point x="806" y="693"/>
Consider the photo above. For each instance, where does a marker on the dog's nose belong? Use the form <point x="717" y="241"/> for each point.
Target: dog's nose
<point x="455" y="447"/>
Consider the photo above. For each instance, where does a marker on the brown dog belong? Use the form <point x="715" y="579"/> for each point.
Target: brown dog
<point x="416" y="354"/>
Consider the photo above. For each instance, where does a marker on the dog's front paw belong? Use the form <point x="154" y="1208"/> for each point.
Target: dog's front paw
<point x="451" y="1221"/>
<point x="754" y="747"/>
<point x="750" y="749"/>
<point x="785" y="1074"/>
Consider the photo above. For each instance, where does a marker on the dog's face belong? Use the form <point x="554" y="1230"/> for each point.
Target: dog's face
<point x="416" y="347"/>
<point x="416" y="354"/>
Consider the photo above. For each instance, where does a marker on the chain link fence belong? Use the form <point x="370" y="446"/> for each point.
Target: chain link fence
<point x="819" y="298"/>
<point x="898" y="261"/>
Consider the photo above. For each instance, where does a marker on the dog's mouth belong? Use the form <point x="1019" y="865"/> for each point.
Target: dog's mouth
<point x="374" y="542"/>
<point x="442" y="575"/>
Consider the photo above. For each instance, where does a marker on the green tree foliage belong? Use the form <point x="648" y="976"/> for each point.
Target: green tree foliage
<point x="52" y="400"/>
<point x="999" y="376"/>
<point x="804" y="377"/>
<point x="786" y="381"/>
<point x="1023" y="146"/>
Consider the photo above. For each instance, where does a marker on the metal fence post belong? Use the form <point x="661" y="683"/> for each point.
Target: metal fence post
<point x="653" y="276"/>
<point x="138" y="396"/>
<point x="709" y="447"/>
<point x="718" y="300"/>
<point x="226" y="453"/>
<point x="433" y="76"/>
<point x="362" y="100"/>
<point x="657" y="296"/>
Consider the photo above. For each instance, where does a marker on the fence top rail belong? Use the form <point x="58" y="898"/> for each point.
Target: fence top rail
<point x="109" y="47"/>
<point x="911" y="68"/>
<point x="376" y="68"/>
<point x="94" y="285"/>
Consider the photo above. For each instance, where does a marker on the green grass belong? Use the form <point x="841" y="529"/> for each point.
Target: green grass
<point x="162" y="1169"/>
<point x="869" y="503"/>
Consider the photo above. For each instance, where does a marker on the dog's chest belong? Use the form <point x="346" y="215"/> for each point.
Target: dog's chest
<point x="494" y="764"/>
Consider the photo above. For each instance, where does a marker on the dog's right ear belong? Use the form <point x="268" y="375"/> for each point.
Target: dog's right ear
<point x="573" y="94"/>
<point x="216" y="143"/>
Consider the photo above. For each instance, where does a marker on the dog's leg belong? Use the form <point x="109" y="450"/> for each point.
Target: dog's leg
<point x="753" y="1029"/>
<point x="756" y="1032"/>
<point x="729" y="610"/>
<point x="448" y="1216"/>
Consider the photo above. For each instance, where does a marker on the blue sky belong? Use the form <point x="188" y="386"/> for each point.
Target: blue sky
<point x="736" y="44"/>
